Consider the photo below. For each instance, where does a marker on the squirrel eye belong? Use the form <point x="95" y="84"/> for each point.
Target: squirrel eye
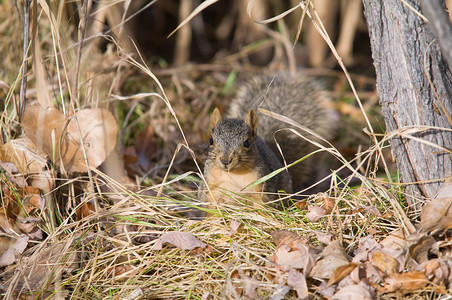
<point x="247" y="143"/>
<point x="211" y="141"/>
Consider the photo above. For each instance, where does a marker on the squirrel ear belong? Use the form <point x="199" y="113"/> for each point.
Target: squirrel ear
<point x="215" y="118"/>
<point x="252" y="120"/>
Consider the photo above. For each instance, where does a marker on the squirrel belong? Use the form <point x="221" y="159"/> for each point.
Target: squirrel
<point x="242" y="151"/>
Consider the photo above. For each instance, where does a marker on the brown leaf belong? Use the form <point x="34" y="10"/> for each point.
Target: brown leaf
<point x="250" y="286"/>
<point x="357" y="291"/>
<point x="292" y="252"/>
<point x="315" y="213"/>
<point x="405" y="282"/>
<point x="97" y="127"/>
<point x="182" y="240"/>
<point x="24" y="155"/>
<point x="124" y="271"/>
<point x="436" y="270"/>
<point x="384" y="262"/>
<point x="234" y="226"/>
<point x="302" y="205"/>
<point x="365" y="246"/>
<point x="9" y="257"/>
<point x="40" y="269"/>
<point x="341" y="272"/>
<point x="437" y="214"/>
<point x="328" y="204"/>
<point x="419" y="251"/>
<point x="333" y="257"/>
<point x="395" y="240"/>
<point x="297" y="281"/>
<point x="286" y="237"/>
<point x="84" y="210"/>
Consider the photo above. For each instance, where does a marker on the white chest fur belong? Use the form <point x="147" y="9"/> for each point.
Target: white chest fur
<point x="227" y="187"/>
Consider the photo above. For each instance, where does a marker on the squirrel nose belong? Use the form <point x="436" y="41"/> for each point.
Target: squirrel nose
<point x="225" y="161"/>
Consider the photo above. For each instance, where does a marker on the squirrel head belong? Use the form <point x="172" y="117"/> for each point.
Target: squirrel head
<point x="232" y="144"/>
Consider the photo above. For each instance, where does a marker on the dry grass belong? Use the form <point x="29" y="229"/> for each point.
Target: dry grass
<point x="107" y="251"/>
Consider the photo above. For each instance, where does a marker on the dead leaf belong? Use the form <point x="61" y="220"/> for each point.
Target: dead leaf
<point x="341" y="272"/>
<point x="437" y="214"/>
<point x="384" y="262"/>
<point x="284" y="236"/>
<point x="325" y="238"/>
<point x="302" y="205"/>
<point x="333" y="257"/>
<point x="24" y="155"/>
<point x="366" y="245"/>
<point x="395" y="240"/>
<point x="404" y="282"/>
<point x="39" y="270"/>
<point x="367" y="208"/>
<point x="357" y="291"/>
<point x="297" y="281"/>
<point x="96" y="127"/>
<point x="292" y="252"/>
<point x="294" y="256"/>
<point x="315" y="213"/>
<point x="123" y="271"/>
<point x="5" y="243"/>
<point x="234" y="226"/>
<point x="328" y="204"/>
<point x="436" y="270"/>
<point x="182" y="240"/>
<point x="9" y="257"/>
<point x="419" y="251"/>
<point x="250" y="286"/>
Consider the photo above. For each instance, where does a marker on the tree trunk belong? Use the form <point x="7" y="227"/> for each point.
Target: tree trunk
<point x="401" y="41"/>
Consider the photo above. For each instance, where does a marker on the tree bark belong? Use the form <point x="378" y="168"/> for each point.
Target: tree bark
<point x="401" y="41"/>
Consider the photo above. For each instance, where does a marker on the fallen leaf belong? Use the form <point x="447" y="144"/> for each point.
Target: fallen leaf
<point x="395" y="240"/>
<point x="367" y="208"/>
<point x="182" y="240"/>
<point x="297" y="281"/>
<point x="302" y="205"/>
<point x="404" y="282"/>
<point x="292" y="252"/>
<point x="328" y="204"/>
<point x="419" y="251"/>
<point x="123" y="271"/>
<point x="294" y="257"/>
<point x="315" y="213"/>
<point x="24" y="155"/>
<point x="250" y="286"/>
<point x="333" y="257"/>
<point x="437" y="214"/>
<point x="9" y="257"/>
<point x="48" y="131"/>
<point x="5" y="243"/>
<point x="341" y="272"/>
<point x="325" y="238"/>
<point x="286" y="237"/>
<point x="357" y="291"/>
<point x="384" y="262"/>
<point x="365" y="245"/>
<point x="436" y="270"/>
<point x="234" y="226"/>
<point x="39" y="270"/>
